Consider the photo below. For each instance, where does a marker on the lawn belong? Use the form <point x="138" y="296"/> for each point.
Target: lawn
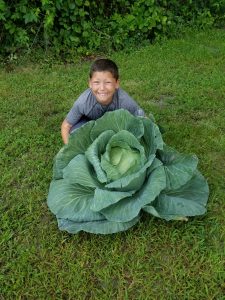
<point x="182" y="83"/>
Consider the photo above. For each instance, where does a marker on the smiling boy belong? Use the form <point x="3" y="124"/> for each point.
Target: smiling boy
<point x="104" y="94"/>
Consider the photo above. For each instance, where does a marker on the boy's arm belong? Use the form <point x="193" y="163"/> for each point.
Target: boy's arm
<point x="74" y="115"/>
<point x="65" y="131"/>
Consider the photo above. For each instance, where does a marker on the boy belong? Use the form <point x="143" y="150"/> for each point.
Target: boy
<point x="103" y="94"/>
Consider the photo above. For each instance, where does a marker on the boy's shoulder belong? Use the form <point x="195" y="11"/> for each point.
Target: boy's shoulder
<point x="122" y="92"/>
<point x="123" y="96"/>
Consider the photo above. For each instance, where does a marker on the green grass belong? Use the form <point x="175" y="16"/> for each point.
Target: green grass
<point x="182" y="82"/>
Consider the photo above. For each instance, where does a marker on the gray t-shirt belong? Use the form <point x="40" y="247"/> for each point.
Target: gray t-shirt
<point x="87" y="106"/>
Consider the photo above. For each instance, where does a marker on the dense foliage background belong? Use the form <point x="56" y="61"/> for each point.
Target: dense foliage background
<point x="83" y="27"/>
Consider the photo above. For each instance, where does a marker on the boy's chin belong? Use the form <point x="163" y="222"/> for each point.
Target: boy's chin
<point x="104" y="102"/>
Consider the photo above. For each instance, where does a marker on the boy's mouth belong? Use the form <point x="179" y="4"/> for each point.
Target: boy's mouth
<point x="102" y="95"/>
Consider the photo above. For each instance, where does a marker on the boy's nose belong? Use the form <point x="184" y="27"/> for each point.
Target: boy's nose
<point x="102" y="86"/>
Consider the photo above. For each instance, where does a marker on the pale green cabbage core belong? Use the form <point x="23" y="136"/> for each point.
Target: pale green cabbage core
<point x="124" y="155"/>
<point x="125" y="160"/>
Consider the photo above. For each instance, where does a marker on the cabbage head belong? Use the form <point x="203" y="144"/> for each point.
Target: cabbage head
<point x="117" y="167"/>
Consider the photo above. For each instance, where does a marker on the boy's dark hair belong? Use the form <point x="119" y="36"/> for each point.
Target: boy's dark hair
<point x="103" y="65"/>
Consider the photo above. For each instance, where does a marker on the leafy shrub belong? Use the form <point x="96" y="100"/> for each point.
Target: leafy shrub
<point x="78" y="26"/>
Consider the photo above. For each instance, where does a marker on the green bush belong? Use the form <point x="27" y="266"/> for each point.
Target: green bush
<point x="83" y="27"/>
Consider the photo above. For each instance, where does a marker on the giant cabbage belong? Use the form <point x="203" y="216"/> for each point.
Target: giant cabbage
<point x="117" y="167"/>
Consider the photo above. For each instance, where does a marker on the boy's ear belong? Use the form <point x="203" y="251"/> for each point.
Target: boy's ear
<point x="117" y="83"/>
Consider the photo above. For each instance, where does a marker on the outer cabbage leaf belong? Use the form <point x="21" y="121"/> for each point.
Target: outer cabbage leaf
<point x="179" y="167"/>
<point x="188" y="200"/>
<point x="128" y="208"/>
<point x="80" y="171"/>
<point x="72" y="201"/>
<point x="118" y="120"/>
<point x="98" y="227"/>
<point x="78" y="143"/>
<point x="152" y="138"/>
<point x="104" y="198"/>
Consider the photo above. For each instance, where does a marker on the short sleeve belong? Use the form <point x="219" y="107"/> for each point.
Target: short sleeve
<point x="74" y="115"/>
<point x="78" y="109"/>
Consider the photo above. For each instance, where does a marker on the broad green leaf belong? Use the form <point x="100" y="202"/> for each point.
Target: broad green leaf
<point x="155" y="164"/>
<point x="80" y="171"/>
<point x="98" y="227"/>
<point x="188" y="200"/>
<point x="30" y="16"/>
<point x="118" y="120"/>
<point x="71" y="201"/>
<point x="78" y="144"/>
<point x="133" y="181"/>
<point x="2" y="5"/>
<point x="128" y="208"/>
<point x="151" y="210"/>
<point x="105" y="198"/>
<point x="94" y="152"/>
<point x="152" y="138"/>
<point x="179" y="168"/>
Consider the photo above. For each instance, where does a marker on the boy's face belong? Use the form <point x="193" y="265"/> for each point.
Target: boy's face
<point x="103" y="86"/>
